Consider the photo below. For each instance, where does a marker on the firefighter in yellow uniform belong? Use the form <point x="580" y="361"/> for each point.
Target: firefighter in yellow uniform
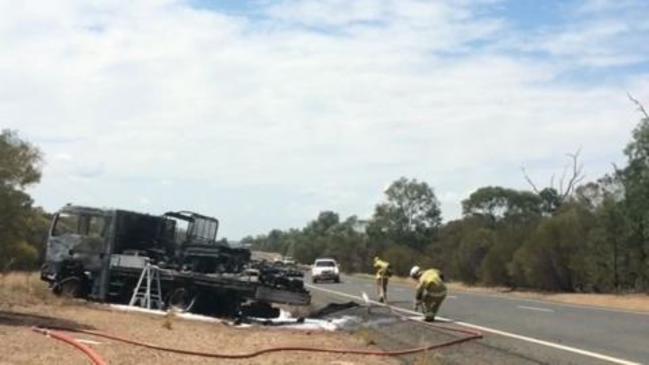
<point x="431" y="291"/>
<point x="383" y="273"/>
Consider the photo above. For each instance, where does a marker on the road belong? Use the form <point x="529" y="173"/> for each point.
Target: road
<point x="545" y="330"/>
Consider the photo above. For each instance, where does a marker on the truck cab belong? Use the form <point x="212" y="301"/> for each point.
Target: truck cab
<point x="82" y="240"/>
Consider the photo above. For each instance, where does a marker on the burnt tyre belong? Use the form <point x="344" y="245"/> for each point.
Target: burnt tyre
<point x="70" y="287"/>
<point x="181" y="299"/>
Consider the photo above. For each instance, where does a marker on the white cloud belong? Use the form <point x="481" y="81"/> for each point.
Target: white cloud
<point x="317" y="105"/>
<point x="596" y="33"/>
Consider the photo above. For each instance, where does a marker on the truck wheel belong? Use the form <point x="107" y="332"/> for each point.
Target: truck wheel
<point x="181" y="299"/>
<point x="69" y="287"/>
<point x="337" y="280"/>
<point x="314" y="280"/>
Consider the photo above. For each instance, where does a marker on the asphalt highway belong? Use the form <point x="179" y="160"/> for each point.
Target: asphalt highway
<point x="547" y="332"/>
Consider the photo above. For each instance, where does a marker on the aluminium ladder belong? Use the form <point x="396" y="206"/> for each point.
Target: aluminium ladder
<point x="148" y="291"/>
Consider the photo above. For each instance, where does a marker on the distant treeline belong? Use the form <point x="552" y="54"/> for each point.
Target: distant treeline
<point x="575" y="236"/>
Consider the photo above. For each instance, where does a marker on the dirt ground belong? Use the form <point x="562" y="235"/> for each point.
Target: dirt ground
<point x="628" y="302"/>
<point x="26" y="302"/>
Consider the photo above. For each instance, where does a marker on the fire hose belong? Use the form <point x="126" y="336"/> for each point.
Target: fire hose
<point x="471" y="335"/>
<point x="94" y="356"/>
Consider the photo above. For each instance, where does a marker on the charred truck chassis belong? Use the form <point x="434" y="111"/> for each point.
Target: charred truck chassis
<point x="99" y="254"/>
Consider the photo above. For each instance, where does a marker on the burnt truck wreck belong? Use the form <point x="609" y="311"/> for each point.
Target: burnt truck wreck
<point x="100" y="254"/>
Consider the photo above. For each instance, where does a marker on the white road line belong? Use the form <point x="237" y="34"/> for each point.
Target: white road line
<point x="451" y="296"/>
<point x="575" y="350"/>
<point x="535" y="309"/>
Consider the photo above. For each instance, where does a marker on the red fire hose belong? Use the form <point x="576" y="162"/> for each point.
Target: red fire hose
<point x="94" y="357"/>
<point x="471" y="336"/>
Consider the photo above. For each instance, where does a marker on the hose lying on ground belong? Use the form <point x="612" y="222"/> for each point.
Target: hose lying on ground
<point x="472" y="335"/>
<point x="94" y="357"/>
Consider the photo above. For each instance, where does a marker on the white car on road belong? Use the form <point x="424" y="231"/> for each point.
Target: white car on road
<point x="325" y="269"/>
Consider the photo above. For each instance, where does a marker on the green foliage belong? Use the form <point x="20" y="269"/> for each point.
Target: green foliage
<point x="410" y="214"/>
<point x="402" y="258"/>
<point x="326" y="236"/>
<point x="21" y="226"/>
<point x="22" y="256"/>
<point x="19" y="161"/>
<point x="550" y="200"/>
<point x="497" y="204"/>
<point x="473" y="248"/>
<point x="635" y="179"/>
<point x="554" y="256"/>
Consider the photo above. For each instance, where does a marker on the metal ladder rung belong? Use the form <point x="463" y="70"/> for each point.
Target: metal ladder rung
<point x="145" y="292"/>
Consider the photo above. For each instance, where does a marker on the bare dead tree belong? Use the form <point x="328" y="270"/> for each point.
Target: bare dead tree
<point x="571" y="176"/>
<point x="552" y="181"/>
<point x="638" y="104"/>
<point x="529" y="180"/>
<point x="576" y="176"/>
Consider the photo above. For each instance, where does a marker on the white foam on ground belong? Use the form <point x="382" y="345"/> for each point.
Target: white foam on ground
<point x="183" y="315"/>
<point x="128" y="308"/>
<point x="311" y="324"/>
<point x="197" y="317"/>
<point x="284" y="321"/>
<point x="287" y="321"/>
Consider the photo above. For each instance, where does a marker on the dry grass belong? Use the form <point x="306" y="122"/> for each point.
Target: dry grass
<point x="366" y="335"/>
<point x="25" y="302"/>
<point x="628" y="302"/>
<point x="25" y="288"/>
<point x="168" y="322"/>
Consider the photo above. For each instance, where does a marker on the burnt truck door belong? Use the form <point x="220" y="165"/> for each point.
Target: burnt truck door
<point x="76" y="246"/>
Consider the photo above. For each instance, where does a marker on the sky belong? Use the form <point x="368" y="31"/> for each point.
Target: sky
<point x="264" y="113"/>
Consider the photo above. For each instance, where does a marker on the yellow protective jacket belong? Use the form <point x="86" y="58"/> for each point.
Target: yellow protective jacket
<point x="382" y="268"/>
<point x="431" y="284"/>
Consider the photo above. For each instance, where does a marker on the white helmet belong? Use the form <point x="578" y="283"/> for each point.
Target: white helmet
<point x="414" y="271"/>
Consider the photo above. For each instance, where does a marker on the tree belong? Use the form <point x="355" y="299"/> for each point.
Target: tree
<point x="410" y="215"/>
<point x="497" y="203"/>
<point x="20" y="164"/>
<point x="555" y="255"/>
<point x="325" y="221"/>
<point x="402" y="258"/>
<point x="553" y="197"/>
<point x="609" y="250"/>
<point x="474" y="247"/>
<point x="442" y="250"/>
<point x="635" y="178"/>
